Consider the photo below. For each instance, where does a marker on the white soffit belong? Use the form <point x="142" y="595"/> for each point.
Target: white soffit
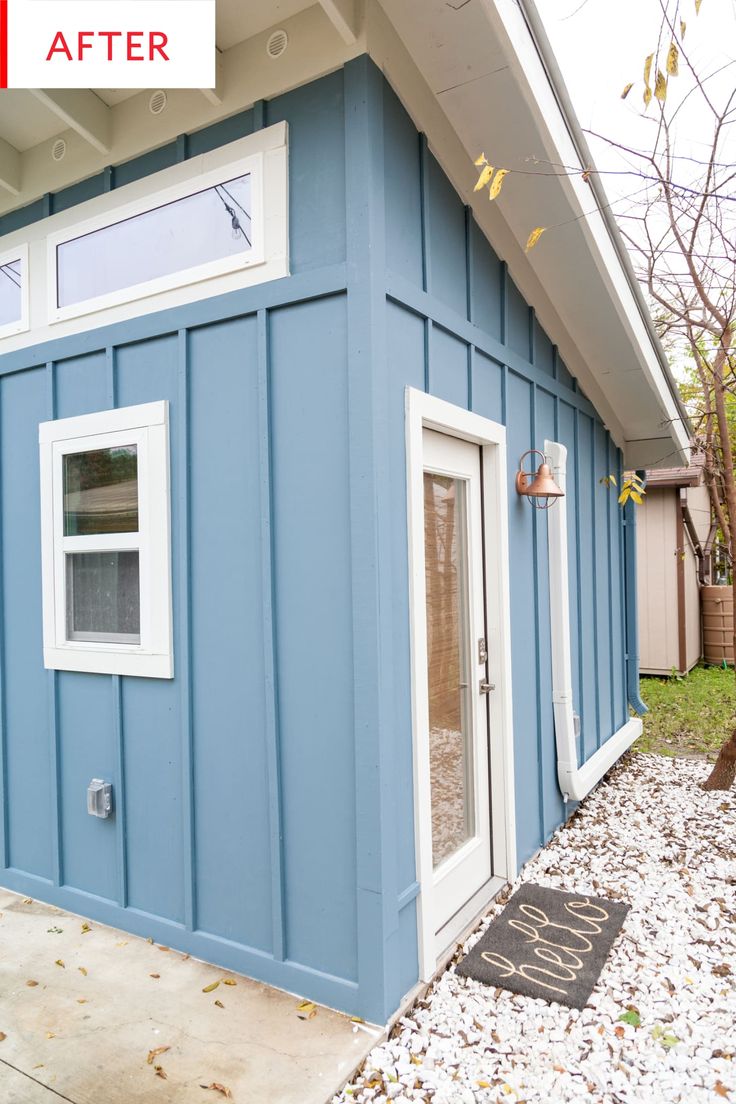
<point x="483" y="69"/>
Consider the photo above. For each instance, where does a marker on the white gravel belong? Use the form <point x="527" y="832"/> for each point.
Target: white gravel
<point x="648" y="835"/>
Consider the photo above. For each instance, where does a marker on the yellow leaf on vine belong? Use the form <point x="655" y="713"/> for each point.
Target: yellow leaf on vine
<point x="498" y="183"/>
<point x="697" y="6"/>
<point x="647" y="96"/>
<point x="660" y="87"/>
<point x="480" y="161"/>
<point x="484" y="178"/>
<point x="626" y="90"/>
<point x="683" y="28"/>
<point x="534" y="237"/>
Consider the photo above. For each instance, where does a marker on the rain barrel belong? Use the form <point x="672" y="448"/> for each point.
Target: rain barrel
<point x="717" y="612"/>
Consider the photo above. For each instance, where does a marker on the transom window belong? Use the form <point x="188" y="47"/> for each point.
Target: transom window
<point x="105" y="530"/>
<point x="177" y="238"/>
<point x="14" y="291"/>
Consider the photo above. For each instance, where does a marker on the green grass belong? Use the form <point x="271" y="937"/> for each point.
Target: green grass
<point x="688" y="716"/>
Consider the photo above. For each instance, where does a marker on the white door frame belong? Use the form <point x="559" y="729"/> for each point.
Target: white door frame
<point x="427" y="412"/>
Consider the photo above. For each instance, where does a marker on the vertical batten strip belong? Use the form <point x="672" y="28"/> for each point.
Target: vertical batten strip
<point x="121" y="841"/>
<point x="555" y="363"/>
<point x="537" y="626"/>
<point x="578" y="567"/>
<point x="259" y="115"/>
<point x="594" y="564"/>
<point x="273" y="754"/>
<point x="621" y="528"/>
<point x="376" y="806"/>
<point x="116" y="687"/>
<point x="469" y="295"/>
<point x="504" y="303"/>
<point x="3" y="727"/>
<point x="52" y="684"/>
<point x="609" y="545"/>
<point x="184" y="660"/>
<point x="426" y="251"/>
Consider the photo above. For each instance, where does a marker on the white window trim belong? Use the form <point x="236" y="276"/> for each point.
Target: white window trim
<point x="428" y="412"/>
<point x="20" y="325"/>
<point x="265" y="152"/>
<point x="249" y="258"/>
<point x="147" y="427"/>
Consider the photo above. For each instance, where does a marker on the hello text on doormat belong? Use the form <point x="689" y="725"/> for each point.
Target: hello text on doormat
<point x="547" y="944"/>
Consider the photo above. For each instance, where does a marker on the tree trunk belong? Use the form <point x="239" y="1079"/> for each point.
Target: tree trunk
<point x="724" y="770"/>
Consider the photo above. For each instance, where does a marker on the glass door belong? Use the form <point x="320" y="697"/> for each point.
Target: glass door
<point x="457" y="678"/>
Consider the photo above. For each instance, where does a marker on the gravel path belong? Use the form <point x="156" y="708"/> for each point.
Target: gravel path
<point x="648" y="835"/>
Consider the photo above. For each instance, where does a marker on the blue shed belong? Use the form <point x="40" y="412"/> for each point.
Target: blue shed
<point x="293" y="678"/>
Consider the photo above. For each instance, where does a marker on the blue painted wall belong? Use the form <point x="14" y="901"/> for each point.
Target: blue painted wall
<point x="274" y="773"/>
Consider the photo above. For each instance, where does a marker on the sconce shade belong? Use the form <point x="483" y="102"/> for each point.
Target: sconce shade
<point x="543" y="485"/>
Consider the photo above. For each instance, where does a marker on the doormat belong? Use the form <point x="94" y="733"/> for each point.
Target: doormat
<point x="547" y="944"/>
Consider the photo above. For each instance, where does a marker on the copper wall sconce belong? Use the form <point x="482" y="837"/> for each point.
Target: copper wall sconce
<point x="542" y="485"/>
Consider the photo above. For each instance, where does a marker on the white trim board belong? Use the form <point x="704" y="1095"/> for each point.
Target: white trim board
<point x="426" y="411"/>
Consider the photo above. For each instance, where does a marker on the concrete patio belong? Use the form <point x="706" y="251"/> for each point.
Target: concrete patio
<point x="83" y="1008"/>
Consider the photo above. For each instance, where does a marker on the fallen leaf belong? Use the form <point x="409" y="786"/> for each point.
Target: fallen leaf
<point x="357" y="1019"/>
<point x="59" y="962"/>
<point x="219" y="1004"/>
<point x="720" y="1089"/>
<point x="229" y="981"/>
<point x="31" y="983"/>
<point x="3" y="1036"/>
<point x="164" y="948"/>
<point x="559" y="1069"/>
<point x="86" y="928"/>
<point x="123" y="943"/>
<point x="721" y="971"/>
<point x="217" y="1087"/>
<point x="82" y="970"/>
<point x="626" y="90"/>
<point x="39" y="1065"/>
<point x="619" y="1032"/>
<point x="306" y="1010"/>
<point x="415" y="1060"/>
<point x="631" y="1016"/>
<point x="150" y="939"/>
<point x="154" y="975"/>
<point x="27" y="900"/>
<point x="155" y="1053"/>
<point x="54" y="931"/>
<point x="160" y="1072"/>
<point x="483" y="1084"/>
<point x="50" y="1034"/>
<point x="211" y="987"/>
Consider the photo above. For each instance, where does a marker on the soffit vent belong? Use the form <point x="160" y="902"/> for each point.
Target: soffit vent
<point x="157" y="102"/>
<point x="277" y="43"/>
<point x="58" y="150"/>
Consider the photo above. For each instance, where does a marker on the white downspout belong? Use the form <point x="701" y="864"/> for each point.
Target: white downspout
<point x="575" y="781"/>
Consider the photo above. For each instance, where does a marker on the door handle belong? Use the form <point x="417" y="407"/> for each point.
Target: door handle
<point x="485" y="687"/>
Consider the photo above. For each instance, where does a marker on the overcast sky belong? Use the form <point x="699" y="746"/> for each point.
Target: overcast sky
<point x="601" y="46"/>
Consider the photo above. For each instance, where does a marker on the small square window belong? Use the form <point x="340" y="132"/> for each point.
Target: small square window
<point x="106" y="542"/>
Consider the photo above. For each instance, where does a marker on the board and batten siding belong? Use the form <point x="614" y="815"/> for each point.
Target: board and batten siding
<point x="263" y="797"/>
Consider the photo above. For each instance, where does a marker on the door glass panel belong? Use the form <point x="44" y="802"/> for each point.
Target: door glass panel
<point x="101" y="491"/>
<point x="103" y="596"/>
<point x="11" y="284"/>
<point x="449" y="675"/>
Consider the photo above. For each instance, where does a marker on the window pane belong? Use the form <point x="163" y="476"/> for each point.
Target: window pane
<point x="101" y="491"/>
<point x="103" y="597"/>
<point x="10" y="292"/>
<point x="200" y="228"/>
<point x="449" y="671"/>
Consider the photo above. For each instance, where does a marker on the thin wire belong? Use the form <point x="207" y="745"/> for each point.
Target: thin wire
<point x="4" y="270"/>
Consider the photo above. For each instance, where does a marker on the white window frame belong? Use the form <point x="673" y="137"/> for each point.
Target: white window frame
<point x="20" y="325"/>
<point x="147" y="427"/>
<point x="247" y="258"/>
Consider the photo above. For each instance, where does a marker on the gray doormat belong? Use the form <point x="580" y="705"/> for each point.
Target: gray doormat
<point x="547" y="944"/>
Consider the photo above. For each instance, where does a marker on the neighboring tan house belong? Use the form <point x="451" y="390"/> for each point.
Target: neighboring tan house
<point x="273" y="346"/>
<point x="673" y="543"/>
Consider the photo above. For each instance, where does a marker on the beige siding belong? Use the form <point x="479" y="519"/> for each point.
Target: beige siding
<point x="656" y="545"/>
<point x="693" y="638"/>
